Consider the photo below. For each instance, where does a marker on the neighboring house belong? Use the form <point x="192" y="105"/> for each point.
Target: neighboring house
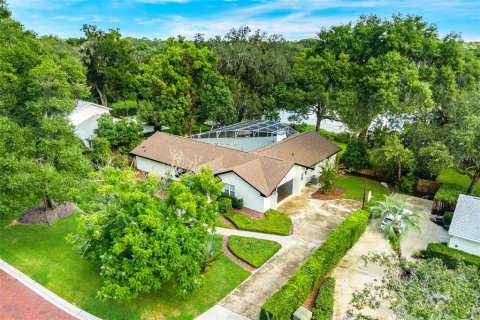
<point x="465" y="227"/>
<point x="84" y="118"/>
<point x="262" y="177"/>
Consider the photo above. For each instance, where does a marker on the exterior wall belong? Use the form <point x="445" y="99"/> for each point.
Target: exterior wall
<point x="147" y="165"/>
<point x="251" y="197"/>
<point x="464" y="245"/>
<point x="85" y="113"/>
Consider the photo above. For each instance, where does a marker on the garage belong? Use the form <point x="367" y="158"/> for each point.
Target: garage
<point x="284" y="190"/>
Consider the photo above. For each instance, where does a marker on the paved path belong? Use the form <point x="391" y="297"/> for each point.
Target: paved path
<point x="22" y="298"/>
<point x="352" y="274"/>
<point x="313" y="220"/>
<point x="283" y="240"/>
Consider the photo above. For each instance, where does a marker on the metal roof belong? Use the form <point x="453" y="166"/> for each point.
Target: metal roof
<point x="466" y="219"/>
<point x="255" y="128"/>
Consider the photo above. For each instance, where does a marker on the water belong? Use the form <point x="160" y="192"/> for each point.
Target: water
<point x="329" y="125"/>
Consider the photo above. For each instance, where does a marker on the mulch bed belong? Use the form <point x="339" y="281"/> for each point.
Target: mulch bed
<point x="332" y="195"/>
<point x="251" y="213"/>
<point x="38" y="214"/>
<point x="233" y="257"/>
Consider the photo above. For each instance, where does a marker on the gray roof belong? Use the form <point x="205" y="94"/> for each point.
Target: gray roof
<point x="255" y="128"/>
<point x="466" y="219"/>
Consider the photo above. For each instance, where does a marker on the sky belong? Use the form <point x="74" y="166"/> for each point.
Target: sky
<point x="294" y="19"/>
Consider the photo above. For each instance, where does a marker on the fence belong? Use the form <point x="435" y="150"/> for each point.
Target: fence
<point x="429" y="187"/>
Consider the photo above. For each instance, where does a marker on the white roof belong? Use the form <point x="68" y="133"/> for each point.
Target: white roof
<point x="466" y="219"/>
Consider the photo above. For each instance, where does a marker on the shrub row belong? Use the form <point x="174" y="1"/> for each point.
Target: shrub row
<point x="451" y="256"/>
<point x="323" y="309"/>
<point x="237" y="203"/>
<point x="449" y="192"/>
<point x="447" y="219"/>
<point x="283" y="303"/>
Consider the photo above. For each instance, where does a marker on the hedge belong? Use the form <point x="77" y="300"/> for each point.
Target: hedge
<point x="447" y="219"/>
<point x="283" y="303"/>
<point x="323" y="309"/>
<point x="451" y="256"/>
<point x="449" y="192"/>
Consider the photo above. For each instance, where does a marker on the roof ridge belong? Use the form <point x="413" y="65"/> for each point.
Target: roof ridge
<point x="281" y="141"/>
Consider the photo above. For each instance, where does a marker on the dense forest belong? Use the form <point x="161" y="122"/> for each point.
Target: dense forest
<point x="405" y="93"/>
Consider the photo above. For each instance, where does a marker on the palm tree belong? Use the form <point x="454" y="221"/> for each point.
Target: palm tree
<point x="395" y="220"/>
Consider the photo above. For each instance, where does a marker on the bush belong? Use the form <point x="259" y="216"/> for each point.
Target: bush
<point x="356" y="156"/>
<point x="449" y="192"/>
<point x="237" y="203"/>
<point x="224" y="205"/>
<point x="323" y="309"/>
<point x="406" y="183"/>
<point x="450" y="256"/>
<point x="447" y="219"/>
<point x="283" y="303"/>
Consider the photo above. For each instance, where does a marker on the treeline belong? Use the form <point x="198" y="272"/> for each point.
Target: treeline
<point x="380" y="77"/>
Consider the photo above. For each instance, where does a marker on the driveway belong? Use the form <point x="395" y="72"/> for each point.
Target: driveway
<point x="312" y="221"/>
<point x="351" y="273"/>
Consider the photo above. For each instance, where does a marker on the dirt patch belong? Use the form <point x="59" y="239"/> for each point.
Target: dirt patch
<point x="336" y="193"/>
<point x="233" y="257"/>
<point x="251" y="213"/>
<point x="38" y="214"/>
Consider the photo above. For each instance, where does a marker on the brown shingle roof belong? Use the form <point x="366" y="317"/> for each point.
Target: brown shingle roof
<point x="263" y="169"/>
<point x="306" y="149"/>
<point x="261" y="172"/>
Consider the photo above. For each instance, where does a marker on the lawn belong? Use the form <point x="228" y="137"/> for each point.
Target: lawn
<point x="452" y="176"/>
<point x="42" y="253"/>
<point x="341" y="145"/>
<point x="354" y="186"/>
<point x="253" y="251"/>
<point x="222" y="224"/>
<point x="275" y="222"/>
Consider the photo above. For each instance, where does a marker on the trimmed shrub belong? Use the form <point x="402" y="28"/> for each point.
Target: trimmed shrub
<point x="237" y="203"/>
<point x="447" y="219"/>
<point x="450" y="256"/>
<point x="323" y="309"/>
<point x="224" y="205"/>
<point x="449" y="192"/>
<point x="356" y="156"/>
<point x="283" y="303"/>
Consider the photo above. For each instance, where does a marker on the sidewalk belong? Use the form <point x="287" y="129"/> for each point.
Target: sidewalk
<point x="23" y="298"/>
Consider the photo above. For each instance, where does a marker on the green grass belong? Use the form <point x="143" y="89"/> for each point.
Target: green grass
<point x="452" y="176"/>
<point x="253" y="251"/>
<point x="130" y="104"/>
<point x="222" y="224"/>
<point x="275" y="222"/>
<point x="341" y="145"/>
<point x="42" y="253"/>
<point x="354" y="186"/>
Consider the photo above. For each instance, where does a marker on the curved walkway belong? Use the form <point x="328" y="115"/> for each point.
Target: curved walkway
<point x="23" y="298"/>
<point x="313" y="220"/>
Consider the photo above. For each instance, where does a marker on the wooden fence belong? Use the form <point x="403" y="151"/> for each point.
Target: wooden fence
<point x="428" y="187"/>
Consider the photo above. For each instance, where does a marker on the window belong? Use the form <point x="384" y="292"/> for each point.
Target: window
<point x="229" y="189"/>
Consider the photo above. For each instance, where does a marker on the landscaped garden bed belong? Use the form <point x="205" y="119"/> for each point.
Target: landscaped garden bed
<point x="38" y="214"/>
<point x="253" y="251"/>
<point x="42" y="253"/>
<point x="332" y="195"/>
<point x="275" y="222"/>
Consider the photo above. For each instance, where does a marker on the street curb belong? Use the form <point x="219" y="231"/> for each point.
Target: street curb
<point x="46" y="294"/>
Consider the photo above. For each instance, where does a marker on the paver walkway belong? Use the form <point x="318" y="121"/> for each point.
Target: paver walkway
<point x="21" y="298"/>
<point x="312" y="220"/>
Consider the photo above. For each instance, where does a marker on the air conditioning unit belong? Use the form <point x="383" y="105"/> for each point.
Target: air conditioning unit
<point x="314" y="180"/>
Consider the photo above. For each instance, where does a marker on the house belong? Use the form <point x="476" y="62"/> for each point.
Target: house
<point x="262" y="177"/>
<point x="465" y="227"/>
<point x="84" y="119"/>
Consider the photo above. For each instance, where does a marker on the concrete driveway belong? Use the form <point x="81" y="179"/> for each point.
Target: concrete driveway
<point x="351" y="273"/>
<point x="312" y="221"/>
